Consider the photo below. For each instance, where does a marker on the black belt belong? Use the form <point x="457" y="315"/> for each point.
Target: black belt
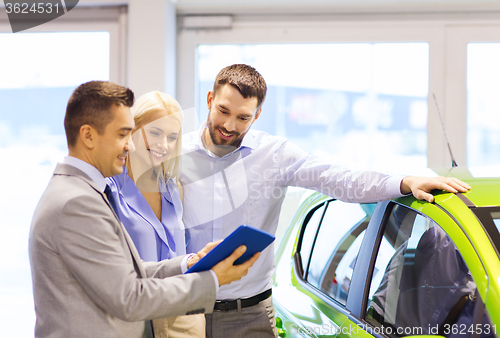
<point x="226" y="305"/>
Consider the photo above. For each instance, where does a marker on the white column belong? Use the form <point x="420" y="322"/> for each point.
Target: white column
<point x="151" y="46"/>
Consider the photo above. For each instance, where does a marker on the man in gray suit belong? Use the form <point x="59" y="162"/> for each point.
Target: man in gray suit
<point x="88" y="279"/>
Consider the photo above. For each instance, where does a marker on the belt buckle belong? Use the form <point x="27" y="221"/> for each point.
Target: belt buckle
<point x="226" y="304"/>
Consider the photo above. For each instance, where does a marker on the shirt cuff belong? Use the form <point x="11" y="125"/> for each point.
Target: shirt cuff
<point x="184" y="262"/>
<point x="394" y="186"/>
<point x="184" y="268"/>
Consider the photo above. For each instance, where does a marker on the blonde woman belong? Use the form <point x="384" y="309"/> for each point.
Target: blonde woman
<point x="147" y="196"/>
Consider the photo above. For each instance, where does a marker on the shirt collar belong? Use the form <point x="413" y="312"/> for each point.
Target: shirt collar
<point x="91" y="171"/>
<point x="198" y="143"/>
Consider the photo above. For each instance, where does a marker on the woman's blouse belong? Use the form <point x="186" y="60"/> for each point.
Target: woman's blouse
<point x="154" y="240"/>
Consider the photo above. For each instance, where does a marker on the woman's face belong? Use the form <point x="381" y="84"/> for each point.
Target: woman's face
<point x="156" y="137"/>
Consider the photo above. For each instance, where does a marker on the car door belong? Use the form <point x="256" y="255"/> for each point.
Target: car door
<point x="417" y="282"/>
<point x="327" y="249"/>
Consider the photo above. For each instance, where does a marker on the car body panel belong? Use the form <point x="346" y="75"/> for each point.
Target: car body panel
<point x="483" y="193"/>
<point x="484" y="250"/>
<point x="299" y="304"/>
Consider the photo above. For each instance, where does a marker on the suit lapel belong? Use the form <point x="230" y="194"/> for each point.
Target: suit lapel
<point x="64" y="169"/>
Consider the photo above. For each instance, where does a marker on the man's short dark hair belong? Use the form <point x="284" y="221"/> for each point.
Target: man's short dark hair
<point x="246" y="79"/>
<point x="91" y="104"/>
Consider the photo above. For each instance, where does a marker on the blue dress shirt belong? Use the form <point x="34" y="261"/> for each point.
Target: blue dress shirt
<point x="154" y="240"/>
<point x="92" y="172"/>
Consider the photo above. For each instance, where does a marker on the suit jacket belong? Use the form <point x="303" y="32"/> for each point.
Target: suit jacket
<point x="88" y="279"/>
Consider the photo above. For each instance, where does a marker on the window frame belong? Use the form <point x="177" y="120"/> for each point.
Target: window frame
<point x="346" y="236"/>
<point x="299" y="264"/>
<point x="298" y="269"/>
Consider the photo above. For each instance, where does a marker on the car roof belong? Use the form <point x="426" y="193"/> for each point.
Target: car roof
<point x="485" y="187"/>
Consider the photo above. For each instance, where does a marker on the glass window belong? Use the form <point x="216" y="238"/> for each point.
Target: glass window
<point x="336" y="249"/>
<point x="421" y="283"/>
<point x="483" y="86"/>
<point x="359" y="104"/>
<point x="309" y="236"/>
<point x="38" y="73"/>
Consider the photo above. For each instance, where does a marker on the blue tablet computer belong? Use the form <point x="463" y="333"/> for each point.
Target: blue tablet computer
<point x="254" y="239"/>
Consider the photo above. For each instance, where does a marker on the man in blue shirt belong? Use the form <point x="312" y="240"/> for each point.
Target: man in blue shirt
<point x="232" y="175"/>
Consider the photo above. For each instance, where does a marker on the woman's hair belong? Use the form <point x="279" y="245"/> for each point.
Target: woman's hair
<point x="157" y="101"/>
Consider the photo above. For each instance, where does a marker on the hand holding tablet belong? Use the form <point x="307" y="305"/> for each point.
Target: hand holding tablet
<point x="254" y="239"/>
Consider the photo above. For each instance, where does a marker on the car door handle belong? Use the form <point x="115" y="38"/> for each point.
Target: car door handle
<point x="279" y="327"/>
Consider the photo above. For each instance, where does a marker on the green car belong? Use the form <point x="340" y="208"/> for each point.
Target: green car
<point x="392" y="269"/>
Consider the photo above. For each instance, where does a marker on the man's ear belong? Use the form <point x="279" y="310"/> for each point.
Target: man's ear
<point x="210" y="98"/>
<point x="257" y="115"/>
<point x="87" y="136"/>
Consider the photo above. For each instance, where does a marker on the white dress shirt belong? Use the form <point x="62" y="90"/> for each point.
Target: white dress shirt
<point x="248" y="186"/>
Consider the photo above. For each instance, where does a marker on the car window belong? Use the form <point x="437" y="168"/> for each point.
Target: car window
<point x="311" y="224"/>
<point x="420" y="284"/>
<point x="336" y="248"/>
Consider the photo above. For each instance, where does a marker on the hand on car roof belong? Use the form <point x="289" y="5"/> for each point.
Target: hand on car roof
<point x="421" y="187"/>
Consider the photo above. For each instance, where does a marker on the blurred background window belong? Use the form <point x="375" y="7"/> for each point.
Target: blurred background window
<point x="358" y="104"/>
<point x="35" y="84"/>
<point x="483" y="104"/>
